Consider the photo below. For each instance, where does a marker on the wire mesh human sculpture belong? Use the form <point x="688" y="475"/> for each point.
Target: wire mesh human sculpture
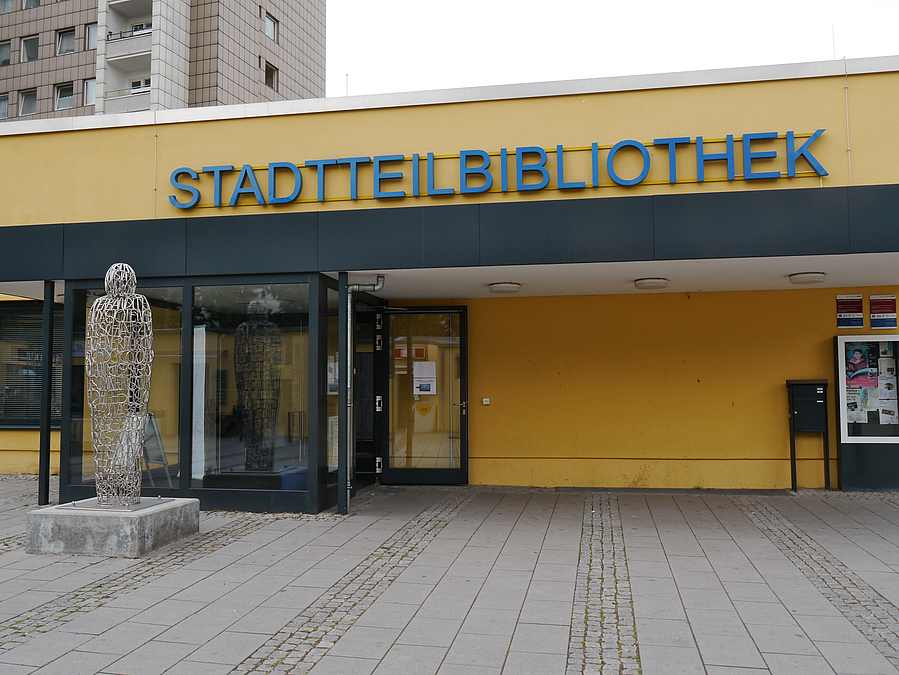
<point x="257" y="370"/>
<point x="118" y="361"/>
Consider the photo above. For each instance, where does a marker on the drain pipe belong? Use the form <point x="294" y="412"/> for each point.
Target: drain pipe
<point x="350" y="366"/>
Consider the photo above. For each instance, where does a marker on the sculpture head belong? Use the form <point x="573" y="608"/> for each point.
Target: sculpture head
<point x="258" y="310"/>
<point x="120" y="280"/>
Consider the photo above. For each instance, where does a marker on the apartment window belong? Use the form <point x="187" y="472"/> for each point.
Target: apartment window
<point x="140" y="86"/>
<point x="28" y="102"/>
<point x="271" y="76"/>
<point x="271" y="27"/>
<point x="6" y="6"/>
<point x="4" y="106"/>
<point x="90" y="36"/>
<point x="65" y="41"/>
<point x="90" y="91"/>
<point x="141" y="27"/>
<point x="29" y="48"/>
<point x="30" y="4"/>
<point x="4" y="53"/>
<point x="65" y="96"/>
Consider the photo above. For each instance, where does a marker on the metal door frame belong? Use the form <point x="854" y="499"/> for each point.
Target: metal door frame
<point x="402" y="476"/>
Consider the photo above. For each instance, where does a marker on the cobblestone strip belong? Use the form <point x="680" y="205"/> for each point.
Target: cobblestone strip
<point x="872" y="614"/>
<point x="21" y="628"/>
<point x="603" y="630"/>
<point x="297" y="647"/>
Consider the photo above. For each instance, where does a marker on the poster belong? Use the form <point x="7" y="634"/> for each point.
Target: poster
<point x="850" y="313"/>
<point x="332" y="375"/>
<point x="886" y="389"/>
<point x="861" y="364"/>
<point x="424" y="378"/>
<point x="855" y="412"/>
<point x="888" y="412"/>
<point x="883" y="312"/>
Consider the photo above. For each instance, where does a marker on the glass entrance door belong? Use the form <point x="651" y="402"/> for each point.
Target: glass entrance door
<point x="425" y="397"/>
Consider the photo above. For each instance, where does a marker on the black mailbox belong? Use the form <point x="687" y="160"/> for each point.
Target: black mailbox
<point x="809" y="408"/>
<point x="808" y="414"/>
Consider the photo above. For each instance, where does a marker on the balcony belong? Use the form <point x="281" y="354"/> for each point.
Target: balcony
<point x="128" y="45"/>
<point x="123" y="100"/>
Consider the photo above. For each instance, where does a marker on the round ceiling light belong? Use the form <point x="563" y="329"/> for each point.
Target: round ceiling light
<point x="505" y="287"/>
<point x="651" y="282"/>
<point x="805" y="278"/>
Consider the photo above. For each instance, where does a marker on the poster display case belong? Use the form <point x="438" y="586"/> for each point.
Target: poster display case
<point x="866" y="382"/>
<point x="868" y="438"/>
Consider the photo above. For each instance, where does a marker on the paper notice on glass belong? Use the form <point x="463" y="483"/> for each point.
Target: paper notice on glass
<point x="888" y="412"/>
<point x="887" y="387"/>
<point x="886" y="348"/>
<point x="854" y="410"/>
<point x="886" y="366"/>
<point x="424" y="378"/>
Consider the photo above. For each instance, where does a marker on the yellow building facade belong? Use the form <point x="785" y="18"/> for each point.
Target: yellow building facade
<point x="720" y="184"/>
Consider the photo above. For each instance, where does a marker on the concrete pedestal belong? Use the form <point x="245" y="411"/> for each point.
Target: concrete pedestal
<point x="86" y="528"/>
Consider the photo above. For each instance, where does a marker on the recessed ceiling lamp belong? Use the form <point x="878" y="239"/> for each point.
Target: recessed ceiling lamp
<point x="805" y="278"/>
<point x="651" y="282"/>
<point x="505" y="287"/>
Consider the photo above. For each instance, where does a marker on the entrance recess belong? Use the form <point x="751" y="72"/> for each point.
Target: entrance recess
<point x="424" y="394"/>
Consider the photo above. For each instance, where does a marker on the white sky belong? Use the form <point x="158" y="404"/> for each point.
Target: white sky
<point x="383" y="46"/>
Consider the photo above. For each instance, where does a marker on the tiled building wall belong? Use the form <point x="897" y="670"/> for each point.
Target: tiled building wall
<point x="49" y="71"/>
<point x="171" y="41"/>
<point x="230" y="51"/>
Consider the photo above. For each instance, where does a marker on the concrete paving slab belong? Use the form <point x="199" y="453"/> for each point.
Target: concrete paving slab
<point x="479" y="580"/>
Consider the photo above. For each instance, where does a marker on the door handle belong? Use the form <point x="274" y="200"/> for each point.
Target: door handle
<point x="463" y="405"/>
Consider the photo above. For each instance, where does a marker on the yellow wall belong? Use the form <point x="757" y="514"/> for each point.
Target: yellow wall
<point x="19" y="451"/>
<point x="101" y="182"/>
<point x="665" y="390"/>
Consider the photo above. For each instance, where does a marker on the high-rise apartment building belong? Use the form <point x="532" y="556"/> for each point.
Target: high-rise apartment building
<point x="80" y="57"/>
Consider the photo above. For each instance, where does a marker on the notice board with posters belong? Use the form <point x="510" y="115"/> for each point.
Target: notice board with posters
<point x="866" y="388"/>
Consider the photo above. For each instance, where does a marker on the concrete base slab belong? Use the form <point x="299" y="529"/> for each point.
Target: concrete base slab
<point x="86" y="528"/>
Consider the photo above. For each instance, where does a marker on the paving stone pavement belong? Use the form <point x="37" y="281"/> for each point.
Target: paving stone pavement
<point x="475" y="580"/>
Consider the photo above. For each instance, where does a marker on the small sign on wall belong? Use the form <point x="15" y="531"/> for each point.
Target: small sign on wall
<point x="883" y="312"/>
<point x="850" y="313"/>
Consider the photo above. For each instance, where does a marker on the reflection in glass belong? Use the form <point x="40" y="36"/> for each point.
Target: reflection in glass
<point x="250" y="386"/>
<point x="160" y="452"/>
<point x="425" y="394"/>
<point x="257" y="369"/>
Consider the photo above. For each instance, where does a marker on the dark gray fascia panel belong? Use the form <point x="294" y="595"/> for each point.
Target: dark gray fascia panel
<point x="154" y="248"/>
<point x="31" y="252"/>
<point x="874" y="218"/>
<point x="388" y="238"/>
<point x="751" y="224"/>
<point x="252" y="244"/>
<point x="450" y="236"/>
<point x="567" y="231"/>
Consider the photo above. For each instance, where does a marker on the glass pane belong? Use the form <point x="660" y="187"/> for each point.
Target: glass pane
<point x="333" y="370"/>
<point x="425" y="391"/>
<point x="250" y="386"/>
<point x="67" y="42"/>
<point x="90" y="91"/>
<point x="4" y="107"/>
<point x="21" y="363"/>
<point x="6" y="6"/>
<point x="161" y="437"/>
<point x="28" y="103"/>
<point x="91" y="36"/>
<point x="64" y="96"/>
<point x="4" y="53"/>
<point x="29" y="4"/>
<point x="29" y="49"/>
